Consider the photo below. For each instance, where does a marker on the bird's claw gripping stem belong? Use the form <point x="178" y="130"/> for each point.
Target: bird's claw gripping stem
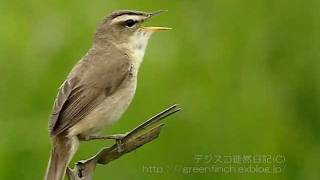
<point x="117" y="137"/>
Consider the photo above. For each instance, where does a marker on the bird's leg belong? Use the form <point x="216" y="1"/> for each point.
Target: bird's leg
<point x="96" y="137"/>
<point x="117" y="137"/>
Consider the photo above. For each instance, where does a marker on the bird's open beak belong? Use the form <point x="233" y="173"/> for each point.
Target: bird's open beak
<point x="154" y="28"/>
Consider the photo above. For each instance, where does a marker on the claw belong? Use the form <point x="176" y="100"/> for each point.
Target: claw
<point x="119" y="138"/>
<point x="119" y="145"/>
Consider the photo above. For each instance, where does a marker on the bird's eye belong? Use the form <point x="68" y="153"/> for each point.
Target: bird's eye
<point x="130" y="23"/>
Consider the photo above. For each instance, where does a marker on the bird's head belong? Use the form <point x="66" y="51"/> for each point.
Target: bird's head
<point x="126" y="27"/>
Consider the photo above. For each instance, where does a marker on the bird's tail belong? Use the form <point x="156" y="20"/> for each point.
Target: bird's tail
<point x="63" y="149"/>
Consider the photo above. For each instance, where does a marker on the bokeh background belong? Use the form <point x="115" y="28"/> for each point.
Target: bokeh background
<point x="247" y="74"/>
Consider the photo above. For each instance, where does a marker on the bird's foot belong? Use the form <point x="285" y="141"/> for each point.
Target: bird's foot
<point x="117" y="137"/>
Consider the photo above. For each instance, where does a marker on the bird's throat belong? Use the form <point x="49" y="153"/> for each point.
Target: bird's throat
<point x="137" y="46"/>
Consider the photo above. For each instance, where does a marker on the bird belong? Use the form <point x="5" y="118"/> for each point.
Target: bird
<point x="100" y="86"/>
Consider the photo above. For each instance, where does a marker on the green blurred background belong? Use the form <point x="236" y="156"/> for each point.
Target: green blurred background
<point x="247" y="74"/>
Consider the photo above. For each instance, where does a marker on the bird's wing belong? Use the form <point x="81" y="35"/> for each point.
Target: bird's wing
<point x="78" y="97"/>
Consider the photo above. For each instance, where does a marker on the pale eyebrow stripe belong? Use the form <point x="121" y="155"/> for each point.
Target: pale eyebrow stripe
<point x="123" y="18"/>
